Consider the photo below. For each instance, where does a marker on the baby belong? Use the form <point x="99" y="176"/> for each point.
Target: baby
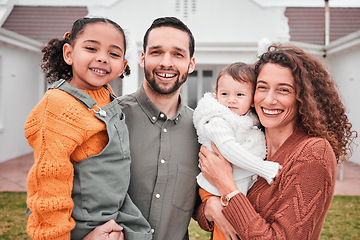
<point x="226" y="118"/>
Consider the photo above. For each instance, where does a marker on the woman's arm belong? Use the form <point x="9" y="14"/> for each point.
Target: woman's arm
<point x="210" y="213"/>
<point x="296" y="207"/>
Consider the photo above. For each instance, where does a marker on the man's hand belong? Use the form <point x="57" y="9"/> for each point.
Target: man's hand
<point x="108" y="231"/>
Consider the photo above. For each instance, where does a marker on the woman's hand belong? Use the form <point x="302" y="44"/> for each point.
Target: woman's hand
<point x="217" y="170"/>
<point x="108" y="231"/>
<point x="213" y="213"/>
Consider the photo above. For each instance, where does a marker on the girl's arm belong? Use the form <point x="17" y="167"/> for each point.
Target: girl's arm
<point x="50" y="178"/>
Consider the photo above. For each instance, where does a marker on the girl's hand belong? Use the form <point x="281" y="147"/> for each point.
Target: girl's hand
<point x="108" y="231"/>
<point x="217" y="170"/>
<point x="213" y="213"/>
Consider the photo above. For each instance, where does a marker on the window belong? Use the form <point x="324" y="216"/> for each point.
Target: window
<point x="200" y="81"/>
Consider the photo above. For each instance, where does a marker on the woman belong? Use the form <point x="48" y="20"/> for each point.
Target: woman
<point x="307" y="133"/>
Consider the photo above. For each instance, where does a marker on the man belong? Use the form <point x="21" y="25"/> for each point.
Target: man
<point x="163" y="141"/>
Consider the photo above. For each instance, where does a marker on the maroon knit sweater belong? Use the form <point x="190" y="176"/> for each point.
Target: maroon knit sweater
<point x="294" y="206"/>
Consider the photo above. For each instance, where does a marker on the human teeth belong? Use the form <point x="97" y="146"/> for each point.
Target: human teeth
<point x="166" y="75"/>
<point x="267" y="111"/>
<point x="99" y="71"/>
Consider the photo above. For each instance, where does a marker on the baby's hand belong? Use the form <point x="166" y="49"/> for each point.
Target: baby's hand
<point x="108" y="231"/>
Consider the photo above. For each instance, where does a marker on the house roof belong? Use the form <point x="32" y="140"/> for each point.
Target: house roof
<point x="308" y="24"/>
<point x="43" y="23"/>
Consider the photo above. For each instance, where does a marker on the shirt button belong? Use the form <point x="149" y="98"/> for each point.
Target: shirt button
<point x="152" y="230"/>
<point x="162" y="115"/>
<point x="165" y="130"/>
<point x="254" y="177"/>
<point x="162" y="161"/>
<point x="153" y="118"/>
<point x="157" y="195"/>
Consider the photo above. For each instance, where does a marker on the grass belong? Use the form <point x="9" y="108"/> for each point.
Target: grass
<point x="12" y="216"/>
<point x="342" y="221"/>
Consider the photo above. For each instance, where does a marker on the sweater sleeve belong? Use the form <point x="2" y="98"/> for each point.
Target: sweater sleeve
<point x="298" y="209"/>
<point x="221" y="134"/>
<point x="201" y="219"/>
<point x="51" y="133"/>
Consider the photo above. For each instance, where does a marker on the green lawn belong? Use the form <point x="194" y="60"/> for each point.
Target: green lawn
<point x="342" y="221"/>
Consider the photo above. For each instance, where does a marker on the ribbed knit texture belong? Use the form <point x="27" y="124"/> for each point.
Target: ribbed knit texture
<point x="237" y="138"/>
<point x="60" y="130"/>
<point x="295" y="205"/>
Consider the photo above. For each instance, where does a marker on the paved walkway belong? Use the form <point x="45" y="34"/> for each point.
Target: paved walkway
<point x="13" y="174"/>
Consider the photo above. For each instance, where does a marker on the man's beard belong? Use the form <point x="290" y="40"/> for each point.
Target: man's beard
<point x="164" y="90"/>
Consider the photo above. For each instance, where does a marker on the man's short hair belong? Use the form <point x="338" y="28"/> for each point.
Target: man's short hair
<point x="174" y="23"/>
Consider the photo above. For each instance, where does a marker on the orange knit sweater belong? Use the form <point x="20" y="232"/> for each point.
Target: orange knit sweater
<point x="294" y="206"/>
<point x="60" y="130"/>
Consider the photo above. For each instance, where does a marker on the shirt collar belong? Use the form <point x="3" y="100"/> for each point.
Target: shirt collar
<point x="151" y="110"/>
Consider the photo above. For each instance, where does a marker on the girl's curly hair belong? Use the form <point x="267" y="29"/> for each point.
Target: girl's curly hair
<point x="321" y="112"/>
<point x="53" y="63"/>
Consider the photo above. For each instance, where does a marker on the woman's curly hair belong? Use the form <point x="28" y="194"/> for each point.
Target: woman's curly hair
<point x="53" y="63"/>
<point x="320" y="110"/>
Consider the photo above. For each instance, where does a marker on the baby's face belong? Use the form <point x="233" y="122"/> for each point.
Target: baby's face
<point x="237" y="96"/>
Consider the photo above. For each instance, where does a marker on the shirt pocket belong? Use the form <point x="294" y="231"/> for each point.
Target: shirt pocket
<point x="184" y="195"/>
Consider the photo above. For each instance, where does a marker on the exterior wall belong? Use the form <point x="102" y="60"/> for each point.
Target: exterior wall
<point x="225" y="31"/>
<point x="341" y="60"/>
<point x="345" y="70"/>
<point x="20" y="89"/>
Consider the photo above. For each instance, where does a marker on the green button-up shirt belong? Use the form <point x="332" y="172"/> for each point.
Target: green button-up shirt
<point x="164" y="165"/>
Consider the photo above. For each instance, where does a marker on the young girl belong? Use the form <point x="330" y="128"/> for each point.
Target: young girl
<point x="226" y="119"/>
<point x="81" y="146"/>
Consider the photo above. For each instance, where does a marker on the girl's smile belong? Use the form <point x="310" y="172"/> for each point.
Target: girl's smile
<point x="96" y="56"/>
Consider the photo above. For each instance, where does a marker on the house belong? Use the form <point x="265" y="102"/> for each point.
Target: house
<point x="225" y="32"/>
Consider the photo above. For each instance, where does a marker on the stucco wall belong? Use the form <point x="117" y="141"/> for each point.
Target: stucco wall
<point x="225" y="31"/>
<point x="345" y="70"/>
<point x="20" y="91"/>
<point x="216" y="24"/>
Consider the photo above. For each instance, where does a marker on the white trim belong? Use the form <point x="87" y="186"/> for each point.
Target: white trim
<point x="21" y="41"/>
<point x="349" y="41"/>
<point x="62" y="3"/>
<point x="218" y="46"/>
<point x="315" y="49"/>
<point x="306" y="3"/>
<point x="341" y="44"/>
<point x="227" y="47"/>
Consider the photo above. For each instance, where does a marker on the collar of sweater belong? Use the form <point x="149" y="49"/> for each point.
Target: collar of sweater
<point x="101" y="96"/>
